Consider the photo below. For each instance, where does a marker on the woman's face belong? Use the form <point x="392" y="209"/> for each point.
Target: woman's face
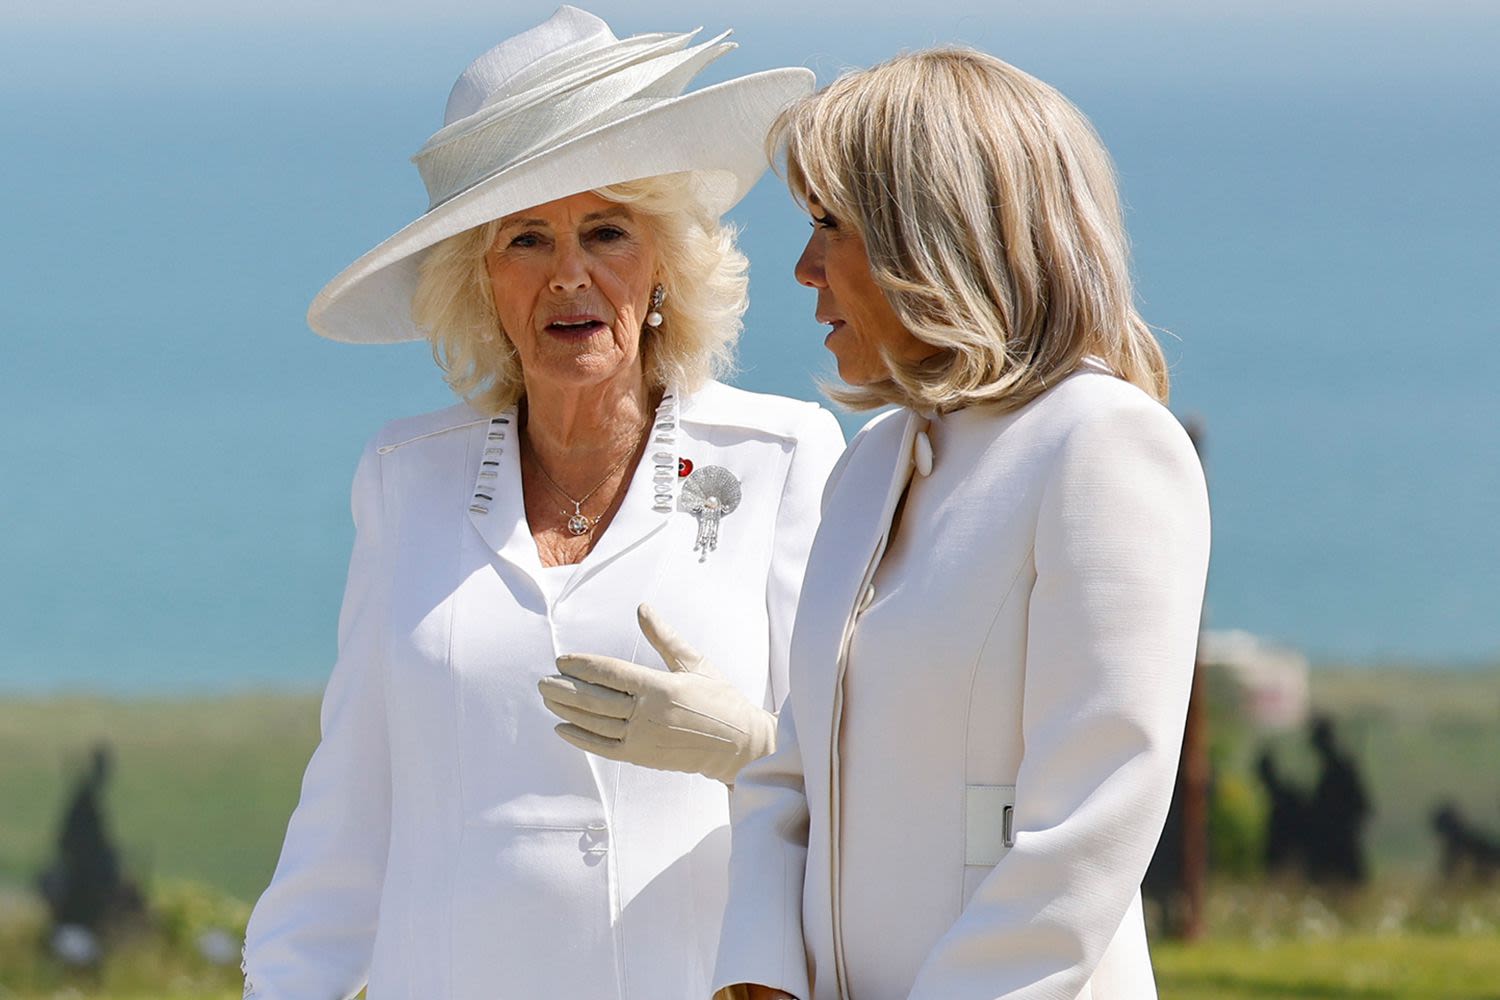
<point x="835" y="263"/>
<point x="572" y="283"/>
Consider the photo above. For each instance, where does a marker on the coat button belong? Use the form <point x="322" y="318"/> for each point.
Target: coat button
<point x="593" y="843"/>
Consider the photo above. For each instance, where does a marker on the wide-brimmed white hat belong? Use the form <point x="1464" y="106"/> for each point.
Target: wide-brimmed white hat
<point x="562" y="108"/>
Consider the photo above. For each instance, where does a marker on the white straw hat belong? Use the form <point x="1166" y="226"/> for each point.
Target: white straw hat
<point x="562" y="108"/>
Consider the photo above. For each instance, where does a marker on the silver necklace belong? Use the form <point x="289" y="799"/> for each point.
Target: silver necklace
<point x="580" y="523"/>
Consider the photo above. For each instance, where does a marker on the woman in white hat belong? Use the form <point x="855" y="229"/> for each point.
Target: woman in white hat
<point x="577" y="286"/>
<point x="994" y="649"/>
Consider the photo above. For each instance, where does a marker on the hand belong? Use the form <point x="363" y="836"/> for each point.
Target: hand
<point x="684" y="718"/>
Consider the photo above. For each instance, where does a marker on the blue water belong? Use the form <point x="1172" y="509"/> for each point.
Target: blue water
<point x="1313" y="205"/>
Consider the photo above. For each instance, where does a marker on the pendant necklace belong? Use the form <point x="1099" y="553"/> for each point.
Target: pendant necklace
<point x="580" y="523"/>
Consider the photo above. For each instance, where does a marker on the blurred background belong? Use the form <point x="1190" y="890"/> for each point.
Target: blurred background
<point x="1311" y="192"/>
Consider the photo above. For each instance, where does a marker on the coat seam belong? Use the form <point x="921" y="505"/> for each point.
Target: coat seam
<point x="460" y="521"/>
<point x="383" y="667"/>
<point x="969" y="714"/>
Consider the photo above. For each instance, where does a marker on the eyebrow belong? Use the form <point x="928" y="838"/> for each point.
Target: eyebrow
<point x="608" y="213"/>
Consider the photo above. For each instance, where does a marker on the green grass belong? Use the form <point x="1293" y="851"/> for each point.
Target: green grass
<point x="1406" y="967"/>
<point x="1394" y="941"/>
<point x="157" y="962"/>
<point x="201" y="789"/>
<point x="1270" y="946"/>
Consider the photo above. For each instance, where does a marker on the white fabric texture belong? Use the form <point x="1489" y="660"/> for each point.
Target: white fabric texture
<point x="447" y="843"/>
<point x="1031" y="633"/>
<point x="552" y="580"/>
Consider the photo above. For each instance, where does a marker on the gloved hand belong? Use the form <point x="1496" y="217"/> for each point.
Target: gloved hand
<point x="684" y="718"/>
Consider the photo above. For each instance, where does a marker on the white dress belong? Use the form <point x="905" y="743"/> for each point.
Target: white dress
<point x="447" y="843"/>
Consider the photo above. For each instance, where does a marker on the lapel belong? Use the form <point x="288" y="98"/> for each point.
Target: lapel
<point x="497" y="508"/>
<point x="649" y="499"/>
<point x="851" y="538"/>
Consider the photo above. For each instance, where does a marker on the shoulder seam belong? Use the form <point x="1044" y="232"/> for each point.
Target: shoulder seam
<point x="386" y="449"/>
<point x="801" y="412"/>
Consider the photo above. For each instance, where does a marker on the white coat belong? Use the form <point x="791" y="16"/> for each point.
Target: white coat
<point x="447" y="843"/>
<point x="975" y="762"/>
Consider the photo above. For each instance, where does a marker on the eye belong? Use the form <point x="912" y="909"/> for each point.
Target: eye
<point x="525" y="241"/>
<point x="824" y="221"/>
<point x="609" y="234"/>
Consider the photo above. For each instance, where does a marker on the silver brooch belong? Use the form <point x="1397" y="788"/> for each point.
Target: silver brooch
<point x="710" y="494"/>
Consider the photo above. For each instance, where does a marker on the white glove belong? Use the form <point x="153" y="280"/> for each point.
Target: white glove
<point x="685" y="718"/>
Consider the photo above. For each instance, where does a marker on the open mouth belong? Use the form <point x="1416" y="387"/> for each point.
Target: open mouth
<point x="581" y="327"/>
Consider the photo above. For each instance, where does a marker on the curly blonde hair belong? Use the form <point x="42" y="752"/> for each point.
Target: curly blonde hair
<point x="989" y="211"/>
<point x="702" y="269"/>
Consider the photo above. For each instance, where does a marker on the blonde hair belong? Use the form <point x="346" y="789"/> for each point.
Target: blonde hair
<point x="702" y="271"/>
<point x="989" y="212"/>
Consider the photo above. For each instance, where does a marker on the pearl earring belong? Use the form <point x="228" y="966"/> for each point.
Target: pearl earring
<point x="658" y="296"/>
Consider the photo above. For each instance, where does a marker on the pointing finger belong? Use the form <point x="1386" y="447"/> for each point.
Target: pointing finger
<point x="605" y="671"/>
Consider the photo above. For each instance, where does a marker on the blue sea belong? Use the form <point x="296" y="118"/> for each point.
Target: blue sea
<point x="1313" y="202"/>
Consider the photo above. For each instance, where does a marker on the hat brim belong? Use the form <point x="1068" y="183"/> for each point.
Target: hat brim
<point x="717" y="133"/>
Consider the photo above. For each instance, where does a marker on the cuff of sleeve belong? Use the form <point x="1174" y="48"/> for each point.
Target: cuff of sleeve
<point x="732" y="979"/>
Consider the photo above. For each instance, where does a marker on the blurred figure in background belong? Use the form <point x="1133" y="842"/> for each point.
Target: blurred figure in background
<point x="1467" y="852"/>
<point x="1286" y="821"/>
<point x="85" y="890"/>
<point x="1337" y="813"/>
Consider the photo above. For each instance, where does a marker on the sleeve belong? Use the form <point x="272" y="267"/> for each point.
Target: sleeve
<point x="312" y="932"/>
<point x="820" y="442"/>
<point x="1121" y="557"/>
<point x="761" y="938"/>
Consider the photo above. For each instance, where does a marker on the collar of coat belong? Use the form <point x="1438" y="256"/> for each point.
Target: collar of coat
<point x="715" y="404"/>
<point x="496" y="508"/>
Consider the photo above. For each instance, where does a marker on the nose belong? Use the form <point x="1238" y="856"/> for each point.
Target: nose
<point x="571" y="271"/>
<point x="809" y="269"/>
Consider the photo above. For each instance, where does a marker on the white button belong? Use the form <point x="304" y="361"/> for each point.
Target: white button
<point x="595" y="840"/>
<point x="922" y="454"/>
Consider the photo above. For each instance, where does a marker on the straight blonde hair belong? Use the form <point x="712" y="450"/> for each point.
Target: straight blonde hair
<point x="703" y="272"/>
<point x="989" y="212"/>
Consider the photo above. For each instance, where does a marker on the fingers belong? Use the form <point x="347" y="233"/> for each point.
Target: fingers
<point x="674" y="649"/>
<point x="605" y="671"/>
<point x="583" y="696"/>
<point x="587" y="741"/>
<point x="595" y="725"/>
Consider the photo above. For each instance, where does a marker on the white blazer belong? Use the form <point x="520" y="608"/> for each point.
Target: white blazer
<point x="447" y="843"/>
<point x="976" y="758"/>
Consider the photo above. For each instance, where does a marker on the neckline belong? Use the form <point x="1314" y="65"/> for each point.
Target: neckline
<point x="498" y="507"/>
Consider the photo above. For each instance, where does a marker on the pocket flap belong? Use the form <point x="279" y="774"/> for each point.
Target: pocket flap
<point x="990" y="823"/>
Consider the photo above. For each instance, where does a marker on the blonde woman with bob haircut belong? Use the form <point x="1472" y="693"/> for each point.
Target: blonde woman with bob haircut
<point x="460" y="835"/>
<point x="991" y="661"/>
